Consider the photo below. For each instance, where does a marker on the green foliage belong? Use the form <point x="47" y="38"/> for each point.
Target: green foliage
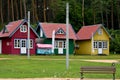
<point x="115" y="42"/>
<point x="59" y="8"/>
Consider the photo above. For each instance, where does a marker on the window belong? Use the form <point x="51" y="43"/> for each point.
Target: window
<point x="31" y="43"/>
<point x="64" y="44"/>
<point x="100" y="31"/>
<point x="100" y="44"/>
<point x="23" y="43"/>
<point x="60" y="31"/>
<point x="16" y="43"/>
<point x="60" y="44"/>
<point x="104" y="44"/>
<point x="23" y="28"/>
<point x="56" y="44"/>
<point x="95" y="44"/>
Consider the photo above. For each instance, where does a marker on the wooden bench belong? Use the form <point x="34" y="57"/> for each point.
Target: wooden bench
<point x="98" y="70"/>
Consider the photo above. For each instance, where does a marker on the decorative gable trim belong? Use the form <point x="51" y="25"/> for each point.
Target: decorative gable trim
<point x="60" y="31"/>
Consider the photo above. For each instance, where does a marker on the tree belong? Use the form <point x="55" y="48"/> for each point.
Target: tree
<point x="118" y="12"/>
<point x="115" y="42"/>
<point x="83" y="12"/>
<point x="1" y="12"/>
<point x="44" y="10"/>
<point x="33" y="11"/>
<point x="12" y="9"/>
<point x="24" y="2"/>
<point x="16" y="9"/>
<point x="21" y="10"/>
<point x="8" y="15"/>
<point x="112" y="21"/>
<point x="35" y="6"/>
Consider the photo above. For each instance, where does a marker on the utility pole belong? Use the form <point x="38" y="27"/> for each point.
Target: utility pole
<point x="67" y="36"/>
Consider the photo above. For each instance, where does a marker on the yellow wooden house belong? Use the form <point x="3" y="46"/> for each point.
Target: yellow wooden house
<point x="93" y="40"/>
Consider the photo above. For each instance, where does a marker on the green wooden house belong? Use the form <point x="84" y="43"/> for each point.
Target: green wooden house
<point x="45" y="31"/>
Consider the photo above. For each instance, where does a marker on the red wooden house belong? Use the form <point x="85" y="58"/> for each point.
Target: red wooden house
<point x="13" y="38"/>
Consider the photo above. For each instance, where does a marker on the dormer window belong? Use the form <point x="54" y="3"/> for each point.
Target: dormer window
<point x="23" y="28"/>
<point x="5" y="30"/>
<point x="60" y="31"/>
<point x="100" y="31"/>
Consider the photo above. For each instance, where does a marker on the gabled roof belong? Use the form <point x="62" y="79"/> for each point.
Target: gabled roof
<point x="12" y="27"/>
<point x="86" y="32"/>
<point x="49" y="27"/>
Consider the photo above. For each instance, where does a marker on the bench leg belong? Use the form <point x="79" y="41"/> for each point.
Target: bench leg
<point x="81" y="76"/>
<point x="113" y="76"/>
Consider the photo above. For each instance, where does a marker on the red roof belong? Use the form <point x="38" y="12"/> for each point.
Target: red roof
<point x="86" y="32"/>
<point x="49" y="27"/>
<point x="10" y="28"/>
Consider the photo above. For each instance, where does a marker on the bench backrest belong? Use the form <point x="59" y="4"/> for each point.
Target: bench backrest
<point x="103" y="69"/>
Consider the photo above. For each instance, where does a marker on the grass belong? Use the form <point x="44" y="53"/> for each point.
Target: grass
<point x="14" y="66"/>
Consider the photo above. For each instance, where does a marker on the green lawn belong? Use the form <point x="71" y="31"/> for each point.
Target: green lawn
<point x="14" y="66"/>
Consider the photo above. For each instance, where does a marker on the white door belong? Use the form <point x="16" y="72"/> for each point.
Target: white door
<point x="23" y="46"/>
<point x="0" y="46"/>
<point x="60" y="47"/>
<point x="100" y="47"/>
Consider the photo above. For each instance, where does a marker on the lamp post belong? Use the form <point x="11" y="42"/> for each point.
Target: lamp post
<point x="28" y="54"/>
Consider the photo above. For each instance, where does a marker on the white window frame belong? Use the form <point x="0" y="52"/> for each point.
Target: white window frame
<point x="23" y="28"/>
<point x="60" y="31"/>
<point x="16" y="43"/>
<point x="57" y="43"/>
<point x="95" y="44"/>
<point x="105" y="44"/>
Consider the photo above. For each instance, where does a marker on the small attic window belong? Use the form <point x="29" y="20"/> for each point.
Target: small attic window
<point x="5" y="30"/>
<point x="100" y="31"/>
<point x="23" y="28"/>
<point x="60" y="31"/>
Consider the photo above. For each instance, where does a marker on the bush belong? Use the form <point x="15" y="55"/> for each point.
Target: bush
<point x="115" y="42"/>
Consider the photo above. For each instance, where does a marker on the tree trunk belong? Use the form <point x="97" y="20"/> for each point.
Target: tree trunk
<point x="21" y="12"/>
<point x="107" y="19"/>
<point x="33" y="11"/>
<point x="35" y="6"/>
<point x="118" y="16"/>
<point x="112" y="22"/>
<point x="94" y="16"/>
<point x="44" y="10"/>
<point x="83" y="12"/>
<point x="8" y="10"/>
<point x="1" y="12"/>
<point x="25" y="9"/>
<point x="12" y="10"/>
<point x="102" y="13"/>
<point x="16" y="8"/>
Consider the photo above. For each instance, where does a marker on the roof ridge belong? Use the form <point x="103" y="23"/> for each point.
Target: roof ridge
<point x="52" y="23"/>
<point x="92" y="25"/>
<point x="15" y="21"/>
